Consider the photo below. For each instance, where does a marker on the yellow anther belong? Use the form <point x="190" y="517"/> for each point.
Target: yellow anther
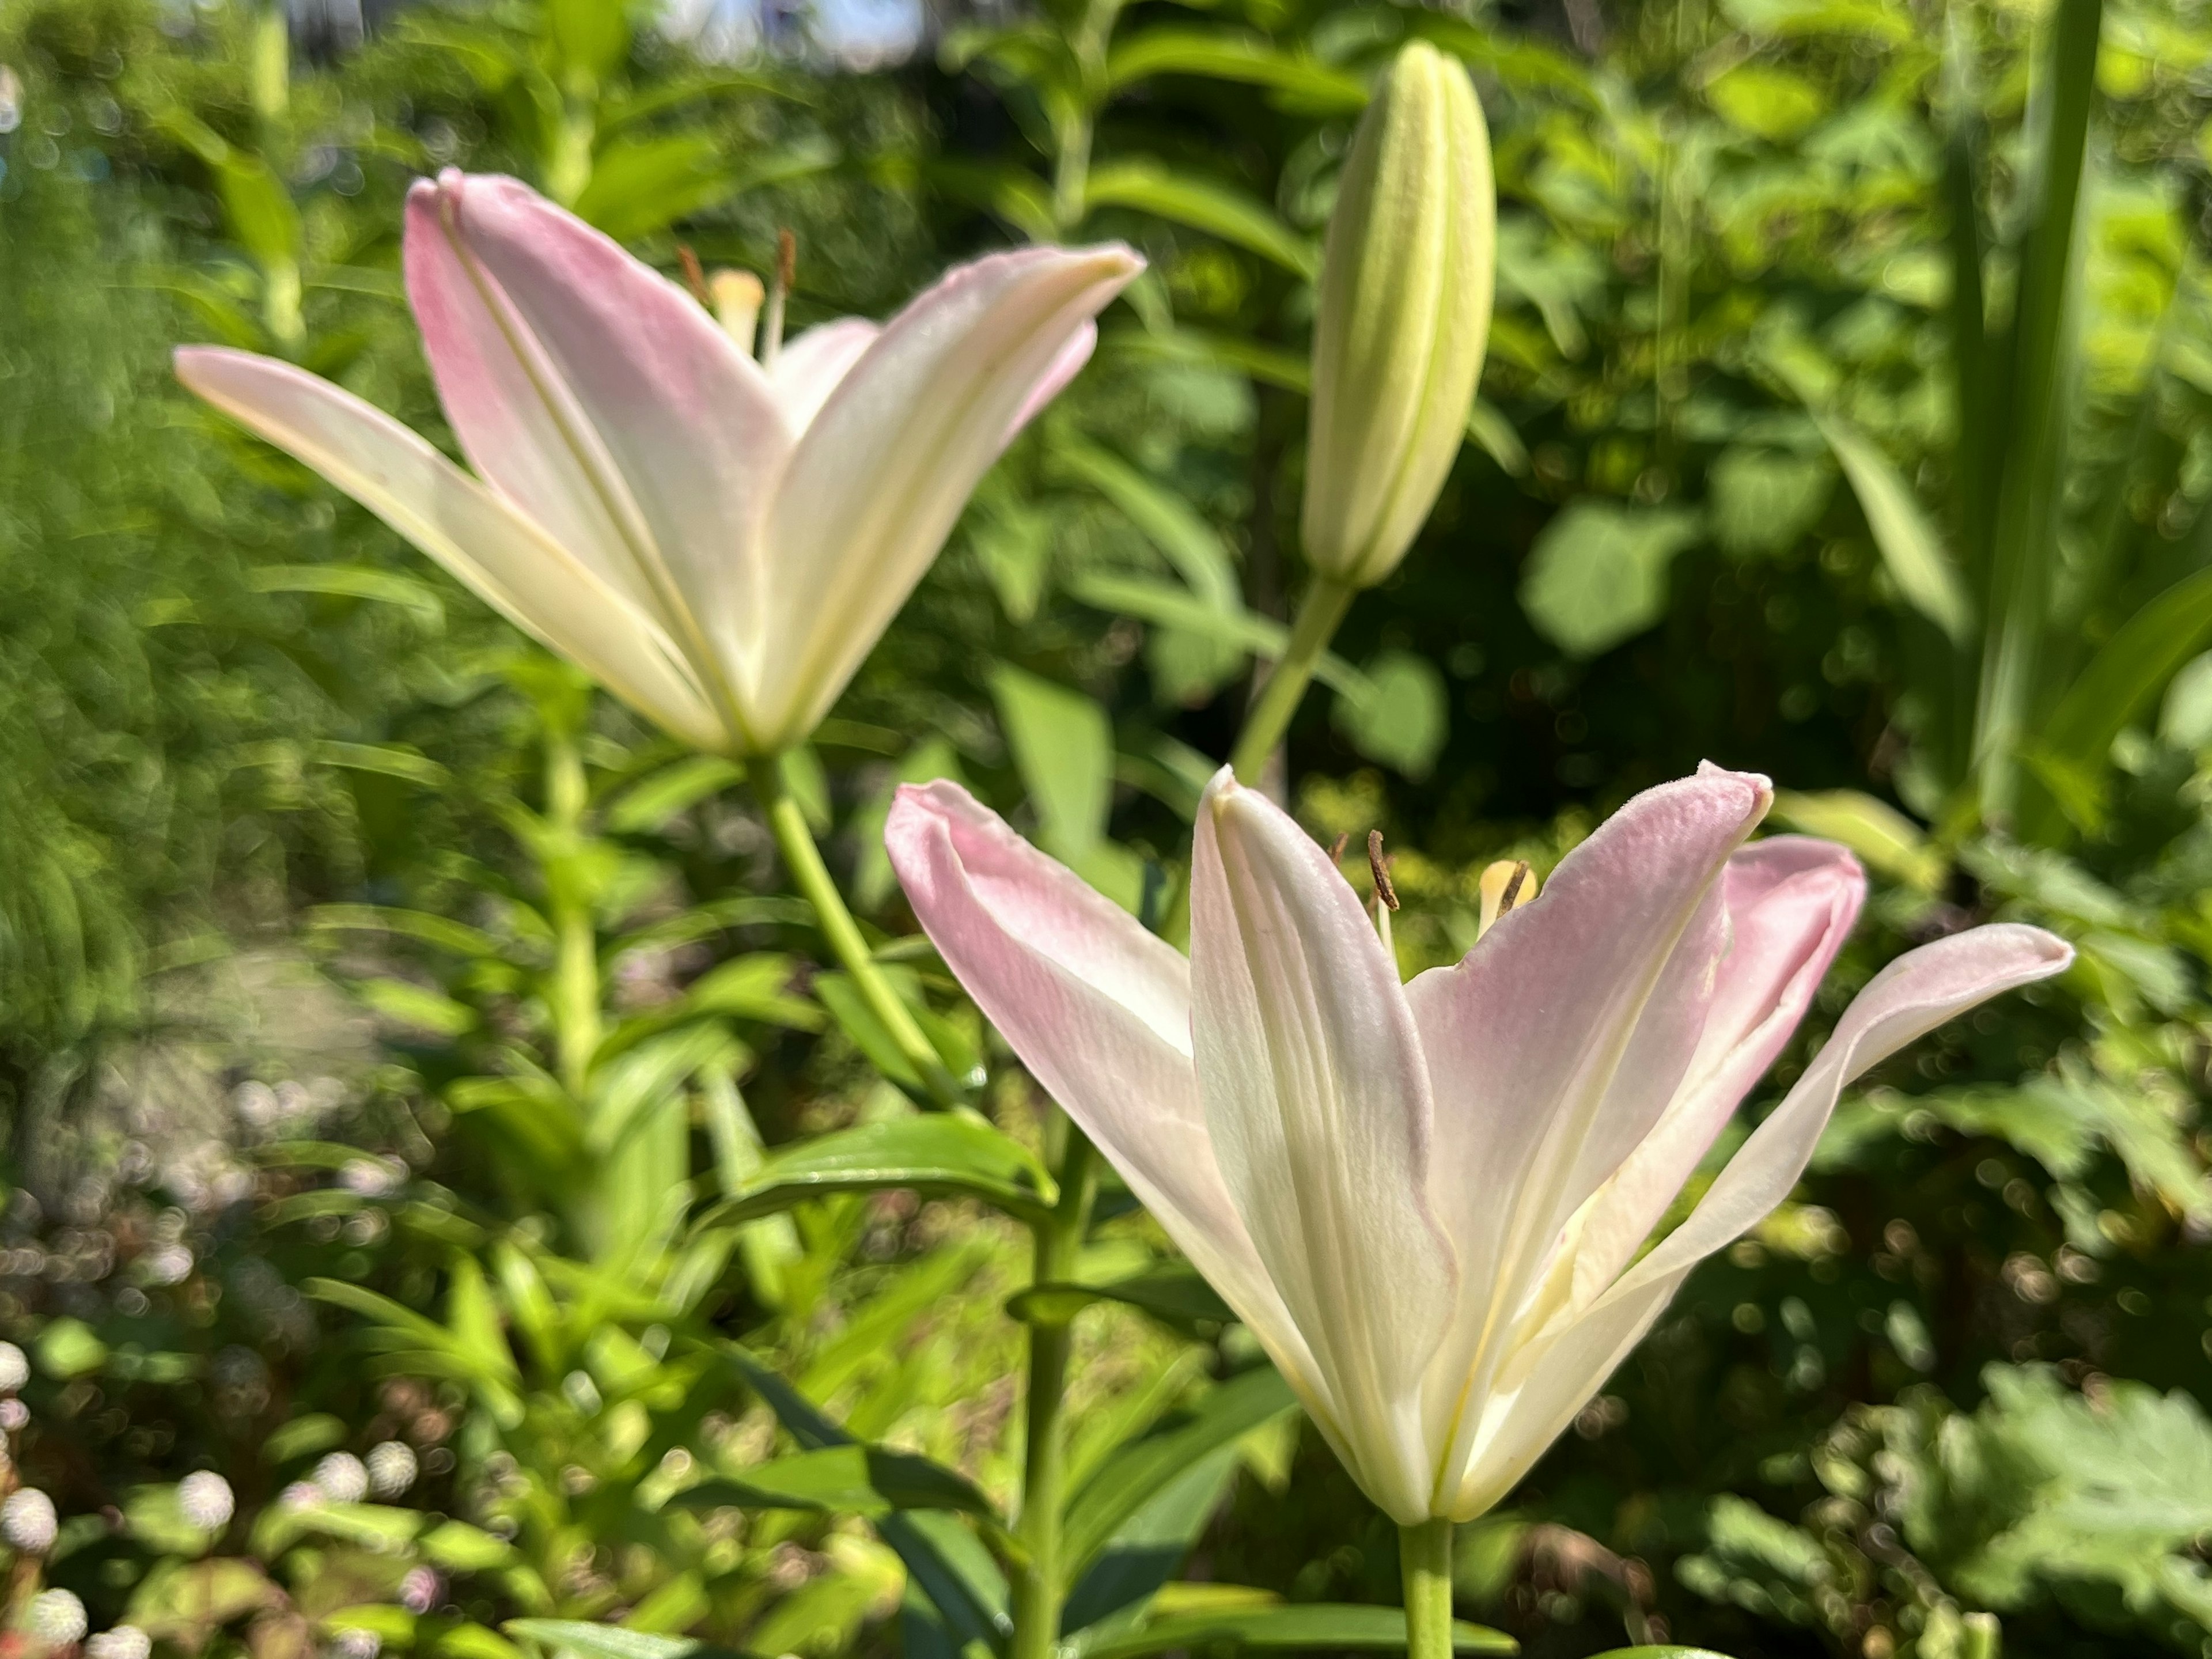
<point x="737" y="295"/>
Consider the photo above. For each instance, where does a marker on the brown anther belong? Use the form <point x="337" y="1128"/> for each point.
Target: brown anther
<point x="786" y="258"/>
<point x="1336" y="848"/>
<point x="1514" y="884"/>
<point x="1381" y="867"/>
<point x="694" y="275"/>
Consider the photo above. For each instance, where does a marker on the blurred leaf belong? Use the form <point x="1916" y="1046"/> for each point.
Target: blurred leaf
<point x="648" y="804"/>
<point x="1063" y="747"/>
<point x="1764" y="500"/>
<point x="356" y="581"/>
<point x="66" y="1347"/>
<point x="459" y="1547"/>
<point x="1403" y="715"/>
<point x="1912" y="551"/>
<point x="951" y="1153"/>
<point x="1151" y="1546"/>
<point x="184" y="1602"/>
<point x="612" y="1641"/>
<point x="1323" y="1625"/>
<point x="1221" y="55"/>
<point x="1597" y="574"/>
<point x="1218" y="209"/>
<point x="870" y="1481"/>
<point x="1773" y="103"/>
<point x="1889" y="842"/>
<point x="641" y="185"/>
<point x="2129" y="671"/>
<point x="1172" y="606"/>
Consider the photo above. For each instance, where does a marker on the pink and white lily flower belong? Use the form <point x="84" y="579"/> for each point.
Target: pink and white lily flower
<point x="1430" y="1201"/>
<point x="718" y="541"/>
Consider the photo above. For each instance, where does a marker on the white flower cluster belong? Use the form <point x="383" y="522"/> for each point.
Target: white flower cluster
<point x="124" y="1642"/>
<point x="205" y="1499"/>
<point x="341" y="1477"/>
<point x="28" y="1521"/>
<point x="57" y="1616"/>
<point x="392" y="1468"/>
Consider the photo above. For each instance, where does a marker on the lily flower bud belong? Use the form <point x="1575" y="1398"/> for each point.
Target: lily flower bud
<point x="1406" y="285"/>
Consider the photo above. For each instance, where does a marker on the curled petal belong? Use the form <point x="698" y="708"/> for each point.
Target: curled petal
<point x="887" y="464"/>
<point x="1791" y="902"/>
<point x="498" y="551"/>
<point x="1318" y="1103"/>
<point x="1908" y="999"/>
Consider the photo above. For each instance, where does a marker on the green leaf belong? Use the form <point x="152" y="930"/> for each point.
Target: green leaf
<point x="1597" y="574"/>
<point x="2125" y="676"/>
<point x="650" y="803"/>
<point x="1140" y="1468"/>
<point x="1063" y="746"/>
<point x="459" y="1547"/>
<point x="1151" y="1546"/>
<point x="261" y="212"/>
<point x="589" y="37"/>
<point x="177" y="1600"/>
<point x="1172" y="607"/>
<point x="1403" y="716"/>
<point x="756" y="987"/>
<point x="1174" y="1293"/>
<point x="441" y="931"/>
<point x="640" y="185"/>
<point x="870" y="1481"/>
<point x="944" y="1558"/>
<point x="68" y="1348"/>
<point x="1773" y="103"/>
<point x="612" y="1640"/>
<point x="354" y="581"/>
<point x="305" y="1435"/>
<point x="1763" y="500"/>
<point x="949" y="1152"/>
<point x="1218" y="209"/>
<point x="1890" y="842"/>
<point x="1664" y="1651"/>
<point x="1912" y="551"/>
<point x="1221" y="55"/>
<point x="1323" y="1625"/>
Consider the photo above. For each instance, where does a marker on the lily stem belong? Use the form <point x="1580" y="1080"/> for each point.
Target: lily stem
<point x="575" y="989"/>
<point x="1425" y="1558"/>
<point x="1319" y="613"/>
<point x="794" y="837"/>
<point x="1039" y="1582"/>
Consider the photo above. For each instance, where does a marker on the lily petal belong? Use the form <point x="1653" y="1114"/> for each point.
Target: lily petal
<point x="808" y="367"/>
<point x="919" y="418"/>
<point x="1791" y="902"/>
<point x="1528" y="1037"/>
<point x="1907" y="999"/>
<point x="490" y="545"/>
<point x="1318" y="1103"/>
<point x="1099" y="1011"/>
<point x="599" y="394"/>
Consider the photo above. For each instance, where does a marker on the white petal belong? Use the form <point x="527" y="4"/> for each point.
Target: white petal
<point x="512" y="563"/>
<point x="808" y="368"/>
<point x="886" y="466"/>
<point x="1099" y="1011"/>
<point x="1907" y="999"/>
<point x="1318" y="1101"/>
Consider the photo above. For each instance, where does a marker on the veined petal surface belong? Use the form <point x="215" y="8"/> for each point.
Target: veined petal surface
<point x="488" y="543"/>
<point x="1318" y="1104"/>
<point x="889" y="460"/>
<point x="687" y="425"/>
<point x="1099" y="1011"/>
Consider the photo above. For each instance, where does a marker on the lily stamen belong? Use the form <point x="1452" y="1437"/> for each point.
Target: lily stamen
<point x="738" y="296"/>
<point x="1506" y="886"/>
<point x="787" y="268"/>
<point x="694" y="275"/>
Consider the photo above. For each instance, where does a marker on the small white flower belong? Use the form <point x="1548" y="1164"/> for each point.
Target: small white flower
<point x="392" y="1468"/>
<point x="357" y="1644"/>
<point x="204" y="1496"/>
<point x="420" y="1589"/>
<point x="341" y="1477"/>
<point x="372" y="1177"/>
<point x="124" y="1642"/>
<point x="57" y="1616"/>
<point x="28" y="1522"/>
<point x="302" y="1495"/>
<point x="14" y="1415"/>
<point x="14" y="1369"/>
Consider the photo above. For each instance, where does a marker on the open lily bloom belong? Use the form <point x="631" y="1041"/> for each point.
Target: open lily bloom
<point x="1428" y="1201"/>
<point x="717" y="541"/>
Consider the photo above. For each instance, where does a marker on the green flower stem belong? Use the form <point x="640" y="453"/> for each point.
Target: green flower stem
<point x="1319" y="613"/>
<point x="787" y="820"/>
<point x="575" y="998"/>
<point x="1425" y="1558"/>
<point x="1039" y="1582"/>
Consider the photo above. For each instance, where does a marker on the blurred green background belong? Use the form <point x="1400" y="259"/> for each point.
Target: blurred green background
<point x="1845" y="418"/>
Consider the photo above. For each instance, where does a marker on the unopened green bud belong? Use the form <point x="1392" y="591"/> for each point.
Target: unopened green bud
<point x="1406" y="289"/>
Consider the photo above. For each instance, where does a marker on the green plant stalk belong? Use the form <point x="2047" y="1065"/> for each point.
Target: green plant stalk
<point x="786" y="820"/>
<point x="575" y="998"/>
<point x="1319" y="613"/>
<point x="1039" y="1581"/>
<point x="2025" y="543"/>
<point x="1424" y="1562"/>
